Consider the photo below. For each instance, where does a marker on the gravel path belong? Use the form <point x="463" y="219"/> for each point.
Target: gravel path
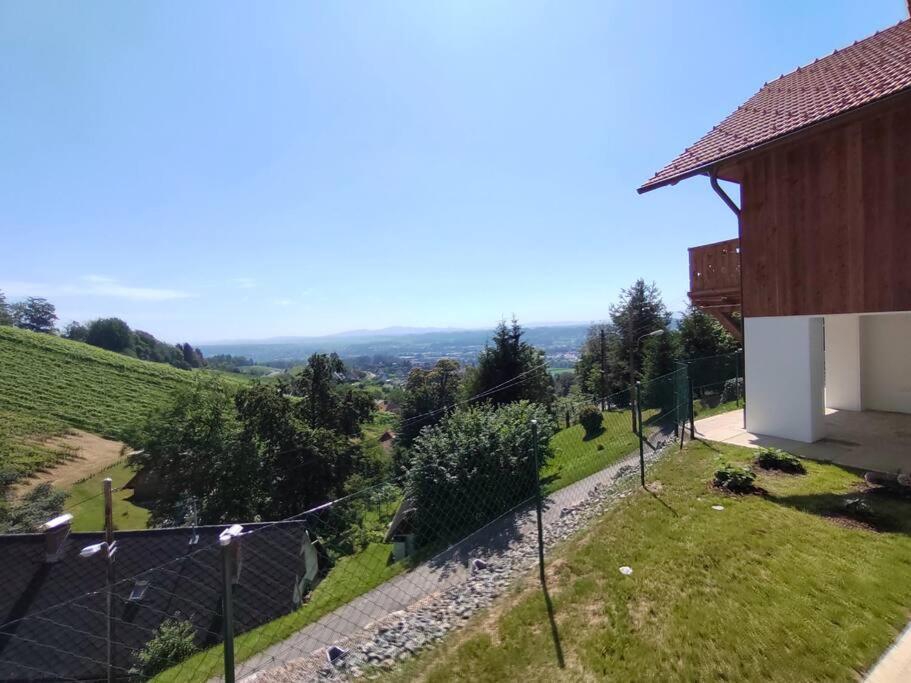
<point x="411" y="611"/>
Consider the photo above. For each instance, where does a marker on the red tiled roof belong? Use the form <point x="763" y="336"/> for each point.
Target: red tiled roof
<point x="860" y="74"/>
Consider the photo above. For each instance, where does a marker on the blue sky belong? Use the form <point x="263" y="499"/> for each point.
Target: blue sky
<point x="242" y="170"/>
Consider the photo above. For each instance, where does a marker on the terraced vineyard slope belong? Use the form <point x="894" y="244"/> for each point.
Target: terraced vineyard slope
<point x="78" y="385"/>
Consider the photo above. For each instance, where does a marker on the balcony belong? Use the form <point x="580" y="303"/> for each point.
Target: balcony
<point x="715" y="282"/>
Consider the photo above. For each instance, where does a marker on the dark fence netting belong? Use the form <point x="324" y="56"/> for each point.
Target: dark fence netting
<point x="228" y="601"/>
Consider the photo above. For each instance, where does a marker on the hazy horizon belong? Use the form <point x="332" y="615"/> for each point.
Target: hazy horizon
<point x="391" y="330"/>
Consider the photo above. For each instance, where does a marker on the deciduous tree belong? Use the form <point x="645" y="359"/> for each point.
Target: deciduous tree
<point x="112" y="334"/>
<point x="5" y="317"/>
<point x="36" y="314"/>
<point x="75" y="331"/>
<point x="428" y="395"/>
<point x="236" y="456"/>
<point x="324" y="404"/>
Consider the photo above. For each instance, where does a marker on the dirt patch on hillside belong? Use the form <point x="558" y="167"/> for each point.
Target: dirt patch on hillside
<point x="90" y="453"/>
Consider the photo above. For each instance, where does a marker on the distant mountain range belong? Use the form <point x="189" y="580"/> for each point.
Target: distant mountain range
<point x="379" y="333"/>
<point x="416" y="343"/>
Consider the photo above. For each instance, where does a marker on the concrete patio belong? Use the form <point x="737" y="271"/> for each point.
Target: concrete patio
<point x="867" y="440"/>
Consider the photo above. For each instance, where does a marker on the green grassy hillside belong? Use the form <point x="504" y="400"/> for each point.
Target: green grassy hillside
<point x="77" y="385"/>
<point x="781" y="586"/>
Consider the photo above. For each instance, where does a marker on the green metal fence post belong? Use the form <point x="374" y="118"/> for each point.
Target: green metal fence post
<point x="538" y="505"/>
<point x="686" y="379"/>
<point x="676" y="404"/>
<point x="228" y="540"/>
<point x="689" y="400"/>
<point x="641" y="434"/>
<point x="737" y="385"/>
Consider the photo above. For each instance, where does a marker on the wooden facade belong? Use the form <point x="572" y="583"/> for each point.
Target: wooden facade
<point x="826" y="218"/>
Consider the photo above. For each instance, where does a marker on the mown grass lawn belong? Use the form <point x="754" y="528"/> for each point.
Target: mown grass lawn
<point x="87" y="507"/>
<point x="700" y="411"/>
<point x="576" y="457"/>
<point x="771" y="588"/>
<point x="379" y="423"/>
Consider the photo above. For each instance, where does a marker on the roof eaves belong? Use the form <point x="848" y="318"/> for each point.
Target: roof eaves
<point x="673" y="180"/>
<point x="705" y="168"/>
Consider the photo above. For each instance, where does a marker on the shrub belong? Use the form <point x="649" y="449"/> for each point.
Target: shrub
<point x="735" y="479"/>
<point x="37" y="506"/>
<point x="733" y="389"/>
<point x="473" y="466"/>
<point x="859" y="509"/>
<point x="777" y="459"/>
<point x="172" y="643"/>
<point x="591" y="420"/>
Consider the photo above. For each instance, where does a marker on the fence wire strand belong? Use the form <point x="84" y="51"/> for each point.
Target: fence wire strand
<point x="321" y="576"/>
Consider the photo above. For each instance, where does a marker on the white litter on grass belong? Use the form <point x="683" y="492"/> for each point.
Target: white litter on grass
<point x="718" y="507"/>
<point x="626" y="571"/>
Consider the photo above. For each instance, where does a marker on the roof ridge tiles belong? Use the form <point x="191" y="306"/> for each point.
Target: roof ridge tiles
<point x="854" y="76"/>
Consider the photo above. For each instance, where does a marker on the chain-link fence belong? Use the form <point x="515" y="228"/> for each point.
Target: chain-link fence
<point x="228" y="601"/>
<point x="718" y="382"/>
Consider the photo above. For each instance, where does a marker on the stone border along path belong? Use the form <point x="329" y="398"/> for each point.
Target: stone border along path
<point x="411" y="611"/>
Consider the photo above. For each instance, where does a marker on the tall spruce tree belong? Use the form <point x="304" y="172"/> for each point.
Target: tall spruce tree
<point x="594" y="370"/>
<point x="659" y="363"/>
<point x="701" y="335"/>
<point x="639" y="311"/>
<point x="511" y="370"/>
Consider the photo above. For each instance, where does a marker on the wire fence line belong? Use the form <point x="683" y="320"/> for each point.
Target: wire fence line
<point x="205" y="602"/>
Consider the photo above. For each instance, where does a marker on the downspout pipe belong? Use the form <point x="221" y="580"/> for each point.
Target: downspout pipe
<point x="713" y="179"/>
<point x="725" y="197"/>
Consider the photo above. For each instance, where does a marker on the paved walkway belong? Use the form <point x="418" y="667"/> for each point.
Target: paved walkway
<point x="867" y="440"/>
<point x="445" y="570"/>
<point x="895" y="664"/>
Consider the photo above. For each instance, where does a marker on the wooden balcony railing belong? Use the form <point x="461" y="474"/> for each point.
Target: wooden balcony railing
<point x="715" y="268"/>
<point x="715" y="281"/>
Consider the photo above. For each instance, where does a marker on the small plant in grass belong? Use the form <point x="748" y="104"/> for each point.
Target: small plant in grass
<point x="734" y="478"/>
<point x="777" y="459"/>
<point x="591" y="420"/>
<point x="172" y="643"/>
<point x="859" y="509"/>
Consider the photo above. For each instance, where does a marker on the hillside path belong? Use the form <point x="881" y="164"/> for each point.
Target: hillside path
<point x="90" y="454"/>
<point x="451" y="567"/>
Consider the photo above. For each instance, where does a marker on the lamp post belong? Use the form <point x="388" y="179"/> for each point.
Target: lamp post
<point x="229" y="540"/>
<point x="107" y="548"/>
<point x="632" y="373"/>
